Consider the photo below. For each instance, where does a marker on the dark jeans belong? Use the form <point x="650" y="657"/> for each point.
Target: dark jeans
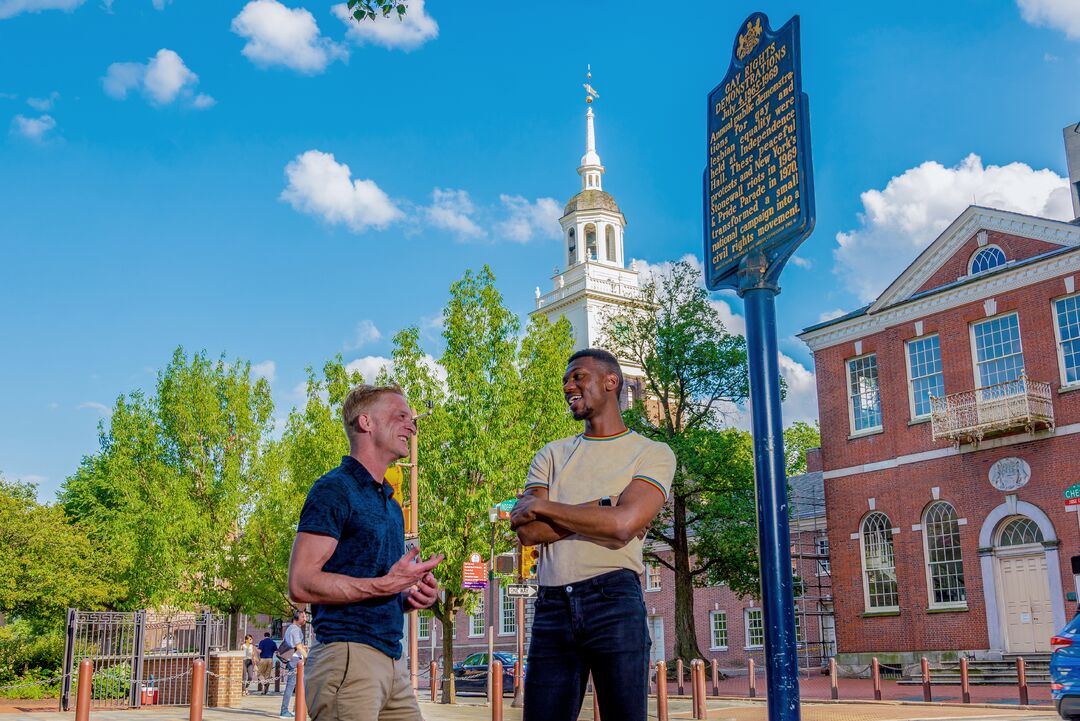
<point x="598" y="626"/>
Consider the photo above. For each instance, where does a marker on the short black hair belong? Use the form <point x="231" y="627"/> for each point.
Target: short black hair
<point x="267" y="634"/>
<point x="604" y="358"/>
<point x="296" y="613"/>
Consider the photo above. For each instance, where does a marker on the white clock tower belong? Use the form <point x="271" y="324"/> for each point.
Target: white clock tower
<point x="595" y="282"/>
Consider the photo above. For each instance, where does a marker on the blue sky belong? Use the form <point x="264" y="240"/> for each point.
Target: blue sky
<point x="174" y="173"/>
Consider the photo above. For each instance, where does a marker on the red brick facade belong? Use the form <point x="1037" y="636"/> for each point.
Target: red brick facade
<point x="900" y="470"/>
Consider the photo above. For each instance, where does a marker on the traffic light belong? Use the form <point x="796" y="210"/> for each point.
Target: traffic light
<point x="530" y="557"/>
<point x="395" y="476"/>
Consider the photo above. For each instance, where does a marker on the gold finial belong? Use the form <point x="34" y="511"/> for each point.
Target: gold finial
<point x="590" y="93"/>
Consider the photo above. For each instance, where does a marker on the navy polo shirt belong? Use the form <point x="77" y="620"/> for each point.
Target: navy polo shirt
<point x="361" y="513"/>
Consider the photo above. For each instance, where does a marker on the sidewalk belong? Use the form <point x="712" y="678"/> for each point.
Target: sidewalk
<point x="262" y="708"/>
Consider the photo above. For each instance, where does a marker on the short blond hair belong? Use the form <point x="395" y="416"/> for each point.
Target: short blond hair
<point x="360" y="400"/>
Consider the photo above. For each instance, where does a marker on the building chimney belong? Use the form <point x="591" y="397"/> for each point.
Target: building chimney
<point x="1072" y="157"/>
<point x="813" y="460"/>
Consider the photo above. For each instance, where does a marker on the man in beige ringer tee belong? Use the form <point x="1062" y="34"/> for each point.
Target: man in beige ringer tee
<point x="587" y="501"/>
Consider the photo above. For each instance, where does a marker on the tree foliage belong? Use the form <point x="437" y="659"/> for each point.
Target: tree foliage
<point x="372" y="9"/>
<point x="799" y="437"/>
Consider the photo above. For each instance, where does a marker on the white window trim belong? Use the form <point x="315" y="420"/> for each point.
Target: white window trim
<point x="746" y="629"/>
<point x="851" y="406"/>
<point x="958" y="605"/>
<point x="866" y="576"/>
<point x="420" y="635"/>
<point x="827" y="561"/>
<point x="911" y="380"/>
<point x="975" y="350"/>
<point x="980" y="249"/>
<point x="1057" y="338"/>
<point x="483" y="617"/>
<point x="659" y="584"/>
<point x="502" y="616"/>
<point x="727" y="631"/>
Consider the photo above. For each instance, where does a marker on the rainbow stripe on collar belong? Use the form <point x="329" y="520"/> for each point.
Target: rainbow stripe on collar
<point x="606" y="438"/>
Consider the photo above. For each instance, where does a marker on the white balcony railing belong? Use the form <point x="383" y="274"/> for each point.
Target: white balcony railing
<point x="1021" y="404"/>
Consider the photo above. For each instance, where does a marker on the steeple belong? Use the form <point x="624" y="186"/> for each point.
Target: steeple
<point x="590" y="169"/>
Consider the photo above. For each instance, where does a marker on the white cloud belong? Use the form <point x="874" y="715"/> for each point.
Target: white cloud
<point x="369" y="366"/>
<point x="11" y="8"/>
<point x="831" y="314"/>
<point x="162" y="79"/>
<point x="34" y="478"/>
<point x="43" y="104"/>
<point x="160" y="4"/>
<point x="902" y="219"/>
<point x="1063" y="15"/>
<point x="266" y="369"/>
<point x="101" y="408"/>
<point x="321" y="186"/>
<point x="35" y="129"/>
<point x="366" y="332"/>
<point x="453" y="210"/>
<point x="278" y="35"/>
<point x="801" y="262"/>
<point x="408" y="33"/>
<point x="526" y="220"/>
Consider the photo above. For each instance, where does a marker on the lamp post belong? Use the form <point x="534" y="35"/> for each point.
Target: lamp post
<point x="413" y="531"/>
<point x="493" y="516"/>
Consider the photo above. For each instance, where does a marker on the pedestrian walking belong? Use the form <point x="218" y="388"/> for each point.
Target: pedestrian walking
<point x="267" y="651"/>
<point x="349" y="562"/>
<point x="248" y="647"/>
<point x="587" y="501"/>
<point x="291" y="651"/>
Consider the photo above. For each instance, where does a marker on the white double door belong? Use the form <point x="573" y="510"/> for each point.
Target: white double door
<point x="1025" y="596"/>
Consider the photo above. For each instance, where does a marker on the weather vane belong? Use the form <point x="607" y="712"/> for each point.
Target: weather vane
<point x="590" y="93"/>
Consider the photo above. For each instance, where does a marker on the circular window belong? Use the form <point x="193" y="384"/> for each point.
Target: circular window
<point x="986" y="259"/>
<point x="1020" y="531"/>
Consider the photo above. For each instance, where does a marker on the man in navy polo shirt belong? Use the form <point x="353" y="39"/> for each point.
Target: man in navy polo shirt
<point x="349" y="562"/>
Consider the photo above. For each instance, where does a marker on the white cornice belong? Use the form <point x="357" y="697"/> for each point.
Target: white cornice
<point x="1004" y="281"/>
<point x="968" y="223"/>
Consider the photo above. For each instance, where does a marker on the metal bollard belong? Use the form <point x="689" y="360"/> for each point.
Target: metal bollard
<point x="433" y="679"/>
<point x="1021" y="680"/>
<point x="86" y="681"/>
<point x="834" y="689"/>
<point x="965" y="688"/>
<point x="661" y="691"/>
<point x="198" y="689"/>
<point x="715" y="678"/>
<point x="496" y="691"/>
<point x="753" y="681"/>
<point x="875" y="674"/>
<point x="678" y="676"/>
<point x="926" y="696"/>
<point x="301" y="696"/>
<point x="697" y="687"/>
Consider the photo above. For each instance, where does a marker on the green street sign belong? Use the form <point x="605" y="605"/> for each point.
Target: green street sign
<point x="1072" y="491"/>
<point x="507" y="506"/>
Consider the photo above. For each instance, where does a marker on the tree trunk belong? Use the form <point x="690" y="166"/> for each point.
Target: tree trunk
<point x="448" y="658"/>
<point x="686" y="645"/>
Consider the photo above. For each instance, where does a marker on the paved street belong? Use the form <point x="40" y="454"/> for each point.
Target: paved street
<point x="472" y="709"/>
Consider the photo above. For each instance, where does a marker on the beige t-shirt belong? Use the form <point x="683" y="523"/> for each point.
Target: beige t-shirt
<point x="583" y="468"/>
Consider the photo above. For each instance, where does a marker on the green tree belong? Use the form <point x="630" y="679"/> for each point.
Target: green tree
<point x="693" y="368"/>
<point x="166" y="494"/>
<point x="373" y="9"/>
<point x="498" y="403"/>
<point x="799" y="437"/>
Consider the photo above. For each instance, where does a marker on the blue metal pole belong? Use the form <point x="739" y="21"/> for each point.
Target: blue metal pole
<point x="781" y="659"/>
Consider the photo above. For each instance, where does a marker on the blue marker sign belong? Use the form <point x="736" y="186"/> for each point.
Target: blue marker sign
<point x="758" y="184"/>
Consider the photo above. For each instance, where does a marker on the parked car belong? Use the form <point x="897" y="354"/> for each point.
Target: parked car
<point x="1065" y="670"/>
<point x="470" y="675"/>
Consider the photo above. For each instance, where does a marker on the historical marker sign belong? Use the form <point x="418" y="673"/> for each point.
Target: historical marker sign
<point x="758" y="184"/>
<point x="474" y="573"/>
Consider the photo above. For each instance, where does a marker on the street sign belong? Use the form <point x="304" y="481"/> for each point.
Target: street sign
<point x="1072" y="495"/>
<point x="758" y="181"/>
<point x="522" y="590"/>
<point x="474" y="573"/>
<point x="507" y="505"/>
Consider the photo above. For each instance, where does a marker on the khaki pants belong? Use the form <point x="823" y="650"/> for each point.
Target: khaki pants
<point x="265" y="668"/>
<point x="355" y="682"/>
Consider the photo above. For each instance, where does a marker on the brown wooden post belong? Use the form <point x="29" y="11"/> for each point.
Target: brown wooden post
<point x="834" y="689"/>
<point x="679" y="676"/>
<point x="1021" y="680"/>
<point x="753" y="681"/>
<point x="595" y="702"/>
<point x="965" y="687"/>
<point x="198" y="689"/>
<point x="86" y="681"/>
<point x="434" y="680"/>
<point x="715" y="678"/>
<point x="301" y="696"/>
<point x="661" y="692"/>
<point x="496" y="691"/>
<point x="875" y="674"/>
<point x="926" y="696"/>
<point x="698" y="676"/>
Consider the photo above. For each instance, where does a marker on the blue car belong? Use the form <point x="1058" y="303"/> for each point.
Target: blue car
<point x="1065" y="670"/>
<point x="470" y="675"/>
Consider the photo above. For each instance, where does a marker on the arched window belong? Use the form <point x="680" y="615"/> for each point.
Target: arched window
<point x="1020" y="531"/>
<point x="609" y="240"/>
<point x="986" y="259"/>
<point x="571" y="247"/>
<point x="879" y="564"/>
<point x="944" y="562"/>
<point x="590" y="242"/>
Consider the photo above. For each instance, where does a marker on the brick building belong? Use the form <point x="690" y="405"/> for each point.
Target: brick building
<point x="948" y="423"/>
